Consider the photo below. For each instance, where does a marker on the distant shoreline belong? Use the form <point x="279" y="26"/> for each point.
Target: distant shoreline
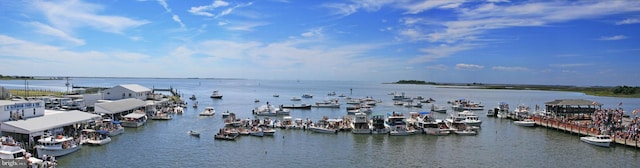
<point x="604" y="91"/>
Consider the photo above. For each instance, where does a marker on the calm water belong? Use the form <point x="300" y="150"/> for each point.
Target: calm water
<point x="499" y="143"/>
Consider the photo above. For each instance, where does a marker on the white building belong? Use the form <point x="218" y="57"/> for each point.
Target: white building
<point x="127" y="91"/>
<point x="15" y="110"/>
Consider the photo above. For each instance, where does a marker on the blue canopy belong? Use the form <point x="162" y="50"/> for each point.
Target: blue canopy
<point x="424" y="113"/>
<point x="102" y="131"/>
<point x="115" y="122"/>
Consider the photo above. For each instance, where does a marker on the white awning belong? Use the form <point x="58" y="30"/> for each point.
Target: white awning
<point x="134" y="115"/>
<point x="51" y="119"/>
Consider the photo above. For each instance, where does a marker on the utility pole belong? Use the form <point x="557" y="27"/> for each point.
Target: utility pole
<point x="67" y="84"/>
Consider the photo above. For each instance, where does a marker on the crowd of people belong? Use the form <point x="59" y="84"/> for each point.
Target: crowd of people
<point x="610" y="122"/>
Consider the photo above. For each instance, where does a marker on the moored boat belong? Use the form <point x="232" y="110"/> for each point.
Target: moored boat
<point x="93" y="137"/>
<point x="194" y="133"/>
<point x="525" y="123"/>
<point x="598" y="140"/>
<point x="216" y="94"/>
<point x="56" y="146"/>
<point x="134" y="120"/>
<point x="208" y="111"/>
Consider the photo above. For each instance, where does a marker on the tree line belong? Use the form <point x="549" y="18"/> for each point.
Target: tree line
<point x="17" y="77"/>
<point x="626" y="90"/>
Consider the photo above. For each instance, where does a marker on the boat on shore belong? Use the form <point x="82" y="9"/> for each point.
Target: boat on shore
<point x="598" y="140"/>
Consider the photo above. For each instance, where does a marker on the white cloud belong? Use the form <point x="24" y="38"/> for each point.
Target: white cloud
<point x="628" y="21"/>
<point x="441" y="51"/>
<point x="316" y="32"/>
<point x="569" y="65"/>
<point x="245" y="26"/>
<point x="70" y="15"/>
<point x="346" y="9"/>
<point x="438" y="67"/>
<point x="469" y="67"/>
<point x="177" y="19"/>
<point x="48" y="30"/>
<point x="612" y="38"/>
<point x="505" y="68"/>
<point x="421" y="6"/>
<point x="208" y="9"/>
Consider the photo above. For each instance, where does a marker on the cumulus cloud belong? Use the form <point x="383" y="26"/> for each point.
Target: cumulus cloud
<point x="612" y="38"/>
<point x="469" y="66"/>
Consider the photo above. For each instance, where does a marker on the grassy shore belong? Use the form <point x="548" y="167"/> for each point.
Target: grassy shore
<point x="605" y="91"/>
<point x="32" y="93"/>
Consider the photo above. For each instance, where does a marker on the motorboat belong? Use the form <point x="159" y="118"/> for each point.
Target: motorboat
<point x="221" y="135"/>
<point x="56" y="146"/>
<point x="216" y="94"/>
<point x="193" y="97"/>
<point x="194" y="133"/>
<point x="295" y="99"/>
<point x="502" y="111"/>
<point x="94" y="137"/>
<point x="208" y="111"/>
<point x="397" y="125"/>
<point x="268" y="131"/>
<point x="8" y="152"/>
<point x="276" y="95"/>
<point x="525" y="123"/>
<point x="256" y="131"/>
<point x="225" y="114"/>
<point x="270" y="110"/>
<point x="491" y="113"/>
<point x="328" y="104"/>
<point x="112" y="127"/>
<point x="432" y="126"/>
<point x="598" y="140"/>
<point x="307" y="95"/>
<point x="134" y="120"/>
<point x="465" y="132"/>
<point x="360" y="124"/>
<point x="377" y="125"/>
<point x="438" y="109"/>
<point x="161" y="116"/>
<point x="296" y="106"/>
<point x="325" y="125"/>
<point x="466" y="117"/>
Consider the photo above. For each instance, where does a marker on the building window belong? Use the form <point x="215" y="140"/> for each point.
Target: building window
<point x="34" y="111"/>
<point x="129" y="94"/>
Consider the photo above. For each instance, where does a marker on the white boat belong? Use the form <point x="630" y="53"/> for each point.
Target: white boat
<point x="377" y="125"/>
<point x="325" y="126"/>
<point x="438" y="109"/>
<point x="56" y="146"/>
<point x="161" y="116"/>
<point x="256" y="131"/>
<point x="295" y="99"/>
<point x="465" y="132"/>
<point x="491" y="113"/>
<point x="502" y="111"/>
<point x="268" y="131"/>
<point x="208" y="111"/>
<point x="8" y="152"/>
<point x="397" y="125"/>
<point x="270" y="110"/>
<point x="598" y="140"/>
<point x="360" y="124"/>
<point x="432" y="126"/>
<point x="113" y="127"/>
<point x="225" y="114"/>
<point x="134" y="120"/>
<point x="525" y="123"/>
<point x="194" y="133"/>
<point x="94" y="137"/>
<point x="287" y="122"/>
<point x="216" y="94"/>
<point x="328" y="104"/>
<point x="307" y="95"/>
<point x="469" y="118"/>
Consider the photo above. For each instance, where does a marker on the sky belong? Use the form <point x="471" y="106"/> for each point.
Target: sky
<point x="584" y="43"/>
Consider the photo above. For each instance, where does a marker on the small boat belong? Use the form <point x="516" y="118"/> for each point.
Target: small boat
<point x="94" y="137"/>
<point x="216" y="94"/>
<point x="195" y="105"/>
<point x="256" y="101"/>
<point x="268" y="131"/>
<point x="194" y="133"/>
<point x="134" y="120"/>
<point x="598" y="140"/>
<point x="225" y="114"/>
<point x="56" y="146"/>
<point x="208" y="111"/>
<point x="256" y="131"/>
<point x="295" y="99"/>
<point x="161" y="116"/>
<point x="525" y="123"/>
<point x="465" y="132"/>
<point x="307" y="96"/>
<point x="276" y="95"/>
<point x="296" y="106"/>
<point x="193" y="97"/>
<point x="438" y="109"/>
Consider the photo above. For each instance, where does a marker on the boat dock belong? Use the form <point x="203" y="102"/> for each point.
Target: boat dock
<point x="579" y="128"/>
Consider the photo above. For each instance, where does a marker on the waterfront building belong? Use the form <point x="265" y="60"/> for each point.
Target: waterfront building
<point x="121" y="107"/>
<point x="20" y="109"/>
<point x="4" y="93"/>
<point x="127" y="91"/>
<point x="572" y="108"/>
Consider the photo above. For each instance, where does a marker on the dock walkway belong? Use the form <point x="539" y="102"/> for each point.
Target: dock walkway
<point x="580" y="129"/>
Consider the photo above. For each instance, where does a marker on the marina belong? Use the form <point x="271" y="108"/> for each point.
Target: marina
<point x="294" y="137"/>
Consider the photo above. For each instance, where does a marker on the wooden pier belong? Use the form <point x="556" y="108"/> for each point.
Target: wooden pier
<point x="579" y="129"/>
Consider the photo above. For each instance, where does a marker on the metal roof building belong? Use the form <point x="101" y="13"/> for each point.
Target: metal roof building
<point x="52" y="119"/>
<point x="119" y="106"/>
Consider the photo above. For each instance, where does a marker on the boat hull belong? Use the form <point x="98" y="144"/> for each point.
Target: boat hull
<point x="116" y="131"/>
<point x="323" y="130"/>
<point x="99" y="142"/>
<point x="524" y="123"/>
<point x="596" y="143"/>
<point x="132" y="124"/>
<point x="56" y="152"/>
<point x="361" y="131"/>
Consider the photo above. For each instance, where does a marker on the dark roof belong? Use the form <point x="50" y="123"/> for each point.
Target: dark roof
<point x="572" y="102"/>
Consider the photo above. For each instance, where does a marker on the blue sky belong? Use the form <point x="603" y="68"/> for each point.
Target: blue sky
<point x="583" y="43"/>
